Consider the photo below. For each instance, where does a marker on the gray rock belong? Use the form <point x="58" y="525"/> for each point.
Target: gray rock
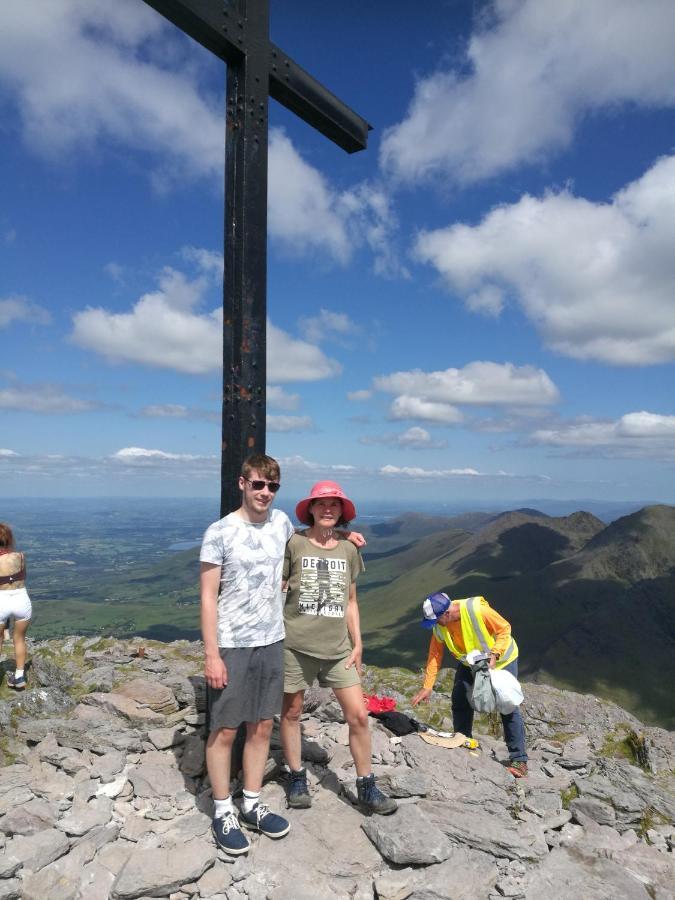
<point x="100" y="678"/>
<point x="600" y="812"/>
<point x="125" y="707"/>
<point x="406" y="784"/>
<point x="193" y="760"/>
<point x="407" y="837"/>
<point x="83" y="819"/>
<point x="51" y="882"/>
<point x="498" y="835"/>
<point x="163" y="738"/>
<point x="9" y="866"/>
<point x="153" y="780"/>
<point x="11" y="889"/>
<point x="29" y="818"/>
<point x="158" y="872"/>
<point x="48" y="674"/>
<point x="107" y="767"/>
<point x="99" y="735"/>
<point x="38" y="850"/>
<point x="151" y="694"/>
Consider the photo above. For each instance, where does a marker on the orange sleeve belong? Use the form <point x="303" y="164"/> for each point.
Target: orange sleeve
<point x="498" y="627"/>
<point x="434" y="660"/>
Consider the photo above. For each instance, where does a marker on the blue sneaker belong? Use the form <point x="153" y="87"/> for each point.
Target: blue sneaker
<point x="229" y="835"/>
<point x="268" y="823"/>
<point x="17" y="683"/>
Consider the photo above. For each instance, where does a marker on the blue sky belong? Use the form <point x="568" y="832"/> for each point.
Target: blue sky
<point x="479" y="306"/>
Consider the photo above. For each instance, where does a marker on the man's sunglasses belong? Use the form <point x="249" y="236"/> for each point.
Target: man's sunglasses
<point x="273" y="486"/>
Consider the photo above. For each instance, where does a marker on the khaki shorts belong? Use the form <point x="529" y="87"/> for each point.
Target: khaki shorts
<point x="301" y="670"/>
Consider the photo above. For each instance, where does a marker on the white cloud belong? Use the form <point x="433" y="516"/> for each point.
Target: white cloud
<point x="594" y="278"/>
<point x="418" y="473"/>
<point x="210" y="262"/>
<point x="178" y="411"/>
<point x="290" y="359"/>
<point x="20" y="309"/>
<point x="284" y="424"/>
<point x="42" y="399"/>
<point x="165" y="411"/>
<point x="307" y="215"/>
<point x="326" y="326"/>
<point x="86" y="76"/>
<point x="278" y="398"/>
<point x="164" y="330"/>
<point x="359" y="395"/>
<point x="634" y="435"/>
<point x="533" y="69"/>
<point x="7" y="453"/>
<point x="407" y="407"/>
<point x="141" y="456"/>
<point x="85" y="73"/>
<point x="414" y="438"/>
<point x="434" y="396"/>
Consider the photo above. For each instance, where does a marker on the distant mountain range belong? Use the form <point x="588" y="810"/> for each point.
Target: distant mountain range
<point x="592" y="605"/>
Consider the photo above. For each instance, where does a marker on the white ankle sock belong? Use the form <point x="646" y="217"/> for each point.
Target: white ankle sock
<point x="222" y="807"/>
<point x="18" y="673"/>
<point x="250" y="800"/>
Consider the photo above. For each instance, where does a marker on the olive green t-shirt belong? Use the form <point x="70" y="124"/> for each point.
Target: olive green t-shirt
<point x="318" y="590"/>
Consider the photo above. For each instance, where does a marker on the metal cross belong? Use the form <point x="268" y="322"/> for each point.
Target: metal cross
<point x="238" y="33"/>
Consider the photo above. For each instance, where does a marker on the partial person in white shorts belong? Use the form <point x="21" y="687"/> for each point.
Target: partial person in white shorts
<point x="14" y="603"/>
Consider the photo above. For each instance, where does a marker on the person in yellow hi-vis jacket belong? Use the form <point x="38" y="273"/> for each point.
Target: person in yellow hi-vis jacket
<point x="463" y="626"/>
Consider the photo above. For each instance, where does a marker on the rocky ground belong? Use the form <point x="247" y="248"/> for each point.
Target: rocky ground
<point x="103" y="794"/>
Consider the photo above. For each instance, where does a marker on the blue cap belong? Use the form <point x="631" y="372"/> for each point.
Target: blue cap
<point x="433" y="607"/>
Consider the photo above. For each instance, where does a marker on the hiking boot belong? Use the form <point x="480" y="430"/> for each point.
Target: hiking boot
<point x="261" y="819"/>
<point x="298" y="791"/>
<point x="229" y="835"/>
<point x="518" y="769"/>
<point x="371" y="798"/>
<point x="17" y="683"/>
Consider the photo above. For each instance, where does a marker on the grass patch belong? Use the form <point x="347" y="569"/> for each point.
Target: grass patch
<point x="569" y="794"/>
<point x="628" y="745"/>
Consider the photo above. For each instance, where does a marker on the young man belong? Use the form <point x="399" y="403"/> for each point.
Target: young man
<point x="463" y="626"/>
<point x="242" y="627"/>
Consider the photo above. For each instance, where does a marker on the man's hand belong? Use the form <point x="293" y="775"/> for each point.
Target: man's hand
<point x="422" y="696"/>
<point x="215" y="672"/>
<point x="356" y="538"/>
<point x="354" y="659"/>
<point x="493" y="661"/>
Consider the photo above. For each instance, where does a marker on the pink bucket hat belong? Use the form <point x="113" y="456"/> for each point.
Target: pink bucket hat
<point x="325" y="489"/>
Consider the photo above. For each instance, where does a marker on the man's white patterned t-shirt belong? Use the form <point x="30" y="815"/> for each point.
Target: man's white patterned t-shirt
<point x="251" y="557"/>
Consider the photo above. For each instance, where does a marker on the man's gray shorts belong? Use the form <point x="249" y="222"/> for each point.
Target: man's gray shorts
<point x="255" y="685"/>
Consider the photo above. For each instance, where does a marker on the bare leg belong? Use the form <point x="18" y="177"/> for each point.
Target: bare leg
<point x="356" y="716"/>
<point x="256" y="751"/>
<point x="289" y="729"/>
<point x="218" y="759"/>
<point x="20" y="629"/>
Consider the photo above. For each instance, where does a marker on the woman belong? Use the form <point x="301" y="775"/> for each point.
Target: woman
<point x="323" y="637"/>
<point x="14" y="602"/>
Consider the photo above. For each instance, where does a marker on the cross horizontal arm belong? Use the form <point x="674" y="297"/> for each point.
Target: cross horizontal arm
<point x="298" y="91"/>
<point x="223" y="32"/>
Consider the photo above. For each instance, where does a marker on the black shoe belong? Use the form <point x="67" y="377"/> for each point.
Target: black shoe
<point x="18" y="684"/>
<point x="371" y="798"/>
<point x="298" y="790"/>
<point x="268" y="823"/>
<point x="229" y="835"/>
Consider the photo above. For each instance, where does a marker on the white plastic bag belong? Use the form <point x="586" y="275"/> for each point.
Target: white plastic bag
<point x="508" y="691"/>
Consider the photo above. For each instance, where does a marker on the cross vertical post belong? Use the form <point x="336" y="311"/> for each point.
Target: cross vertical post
<point x="237" y="31"/>
<point x="245" y="276"/>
